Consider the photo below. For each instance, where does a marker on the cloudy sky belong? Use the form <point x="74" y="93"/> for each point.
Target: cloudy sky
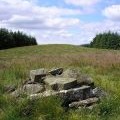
<point x="61" y="21"/>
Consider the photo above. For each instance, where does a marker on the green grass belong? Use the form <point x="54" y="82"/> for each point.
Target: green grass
<point x="102" y="65"/>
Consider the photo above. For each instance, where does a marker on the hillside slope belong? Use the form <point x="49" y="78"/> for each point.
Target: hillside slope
<point x="102" y="65"/>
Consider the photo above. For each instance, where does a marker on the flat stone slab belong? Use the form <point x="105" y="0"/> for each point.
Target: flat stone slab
<point x="38" y="75"/>
<point x="59" y="83"/>
<point x="86" y="102"/>
<point x="28" y="89"/>
<point x="74" y="94"/>
<point x="71" y="73"/>
<point x="33" y="88"/>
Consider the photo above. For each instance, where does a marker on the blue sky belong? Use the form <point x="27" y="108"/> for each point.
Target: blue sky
<point x="61" y="21"/>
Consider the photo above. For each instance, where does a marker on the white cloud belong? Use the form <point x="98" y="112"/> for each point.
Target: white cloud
<point x="89" y="30"/>
<point x="84" y="34"/>
<point x="53" y="24"/>
<point x="112" y="12"/>
<point x="41" y="22"/>
<point x="25" y="14"/>
<point x="82" y="2"/>
<point x="49" y="24"/>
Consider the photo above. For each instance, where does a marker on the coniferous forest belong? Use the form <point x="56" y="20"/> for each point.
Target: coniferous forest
<point x="10" y="39"/>
<point x="106" y="40"/>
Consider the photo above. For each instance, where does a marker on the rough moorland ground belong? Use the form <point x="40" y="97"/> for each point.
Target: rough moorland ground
<point x="102" y="65"/>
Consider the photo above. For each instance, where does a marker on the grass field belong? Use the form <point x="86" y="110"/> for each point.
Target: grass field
<point x="102" y="65"/>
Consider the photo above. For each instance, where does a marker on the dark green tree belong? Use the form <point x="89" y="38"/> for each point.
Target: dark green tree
<point x="107" y="40"/>
<point x="5" y="39"/>
<point x="9" y="39"/>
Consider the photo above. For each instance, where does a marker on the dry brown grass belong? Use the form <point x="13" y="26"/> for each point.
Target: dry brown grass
<point x="103" y="60"/>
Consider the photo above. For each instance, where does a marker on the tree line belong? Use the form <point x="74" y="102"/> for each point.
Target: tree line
<point x="107" y="40"/>
<point x="10" y="39"/>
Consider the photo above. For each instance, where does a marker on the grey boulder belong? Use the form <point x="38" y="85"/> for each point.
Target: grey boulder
<point x="38" y="75"/>
<point x="9" y="88"/>
<point x="56" y="71"/>
<point x="71" y="73"/>
<point x="98" y="92"/>
<point x="85" y="80"/>
<point x="59" y="83"/>
<point x="86" y="102"/>
<point x="33" y="88"/>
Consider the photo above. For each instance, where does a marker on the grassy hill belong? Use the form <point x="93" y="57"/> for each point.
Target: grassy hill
<point x="102" y="65"/>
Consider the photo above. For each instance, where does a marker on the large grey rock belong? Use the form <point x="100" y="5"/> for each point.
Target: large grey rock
<point x="51" y="84"/>
<point x="28" y="89"/>
<point x="9" y="88"/>
<point x="81" y="78"/>
<point x="98" y="92"/>
<point x="33" y="88"/>
<point x="18" y="92"/>
<point x="46" y="93"/>
<point x="86" y="102"/>
<point x="57" y="71"/>
<point x="60" y="83"/>
<point x="29" y="81"/>
<point x="85" y="80"/>
<point x="71" y="73"/>
<point x="74" y="94"/>
<point x="38" y="75"/>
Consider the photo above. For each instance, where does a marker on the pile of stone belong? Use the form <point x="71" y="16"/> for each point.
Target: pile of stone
<point x="75" y="89"/>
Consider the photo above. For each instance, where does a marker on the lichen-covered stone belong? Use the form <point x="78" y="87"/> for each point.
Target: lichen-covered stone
<point x="17" y="92"/>
<point x="38" y="75"/>
<point x="9" y="88"/>
<point x="74" y="88"/>
<point x="71" y="73"/>
<point x="33" y="88"/>
<point x="86" y="102"/>
<point x="57" y="71"/>
<point x="85" y="80"/>
<point x="98" y="92"/>
<point x="74" y="94"/>
<point x="60" y="83"/>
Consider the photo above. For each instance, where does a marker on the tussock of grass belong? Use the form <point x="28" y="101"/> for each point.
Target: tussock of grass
<point x="102" y="65"/>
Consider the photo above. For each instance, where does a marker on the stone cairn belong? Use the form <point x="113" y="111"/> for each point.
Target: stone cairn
<point x="75" y="89"/>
